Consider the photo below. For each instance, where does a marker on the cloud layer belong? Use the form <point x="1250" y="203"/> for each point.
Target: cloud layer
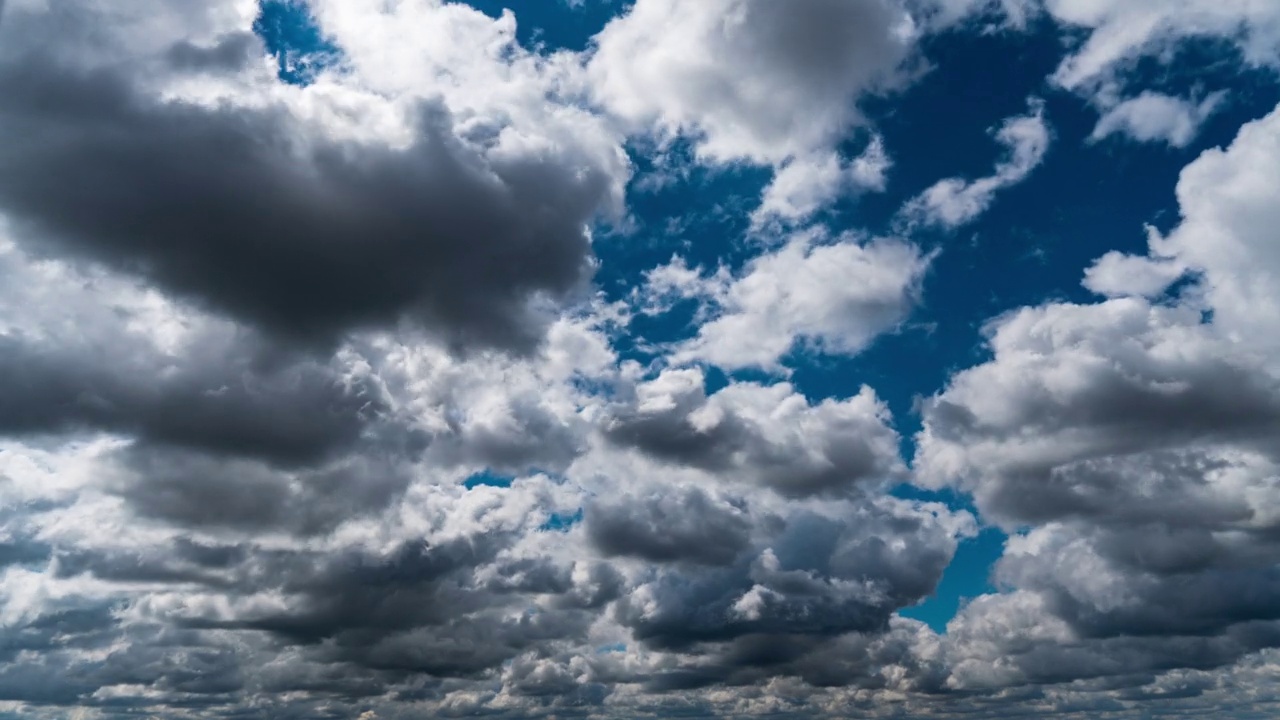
<point x="310" y="407"/>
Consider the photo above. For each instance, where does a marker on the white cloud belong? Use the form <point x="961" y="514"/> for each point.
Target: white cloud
<point x="1121" y="31"/>
<point x="1153" y="116"/>
<point x="835" y="297"/>
<point x="954" y="202"/>
<point x="750" y="79"/>
<point x="764" y="82"/>
<point x="806" y="184"/>
<point x="1229" y="220"/>
<point x="1117" y="275"/>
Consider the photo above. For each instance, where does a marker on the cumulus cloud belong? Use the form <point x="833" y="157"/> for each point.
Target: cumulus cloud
<point x="767" y="435"/>
<point x="773" y="84"/>
<point x="308" y="407"/>
<point x="1134" y="445"/>
<point x="750" y="80"/>
<point x="953" y="202"/>
<point x="307" y="229"/>
<point x="756" y="81"/>
<point x="832" y="296"/>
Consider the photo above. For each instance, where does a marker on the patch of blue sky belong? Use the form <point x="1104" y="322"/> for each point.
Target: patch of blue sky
<point x="562" y="522"/>
<point x="967" y="577"/>
<point x="488" y="478"/>
<point x="291" y="35"/>
<point x="554" y="24"/>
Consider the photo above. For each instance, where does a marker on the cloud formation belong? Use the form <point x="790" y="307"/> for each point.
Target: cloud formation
<point x="954" y="202"/>
<point x="312" y="404"/>
<point x="305" y="227"/>
<point x="1135" y="442"/>
<point x="835" y="296"/>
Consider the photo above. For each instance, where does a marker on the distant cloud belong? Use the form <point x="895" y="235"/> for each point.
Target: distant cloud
<point x="954" y="202"/>
<point x="1151" y="116"/>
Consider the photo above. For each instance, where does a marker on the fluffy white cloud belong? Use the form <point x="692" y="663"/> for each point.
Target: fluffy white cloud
<point x="953" y="202"/>
<point x="1117" y="275"/>
<point x="1227" y="233"/>
<point x="833" y="296"/>
<point x="804" y="185"/>
<point x="750" y="79"/>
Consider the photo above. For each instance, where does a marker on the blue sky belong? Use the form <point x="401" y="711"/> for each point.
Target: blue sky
<point x="883" y="358"/>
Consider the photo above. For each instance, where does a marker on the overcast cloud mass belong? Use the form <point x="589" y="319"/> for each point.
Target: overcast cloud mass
<point x="398" y="359"/>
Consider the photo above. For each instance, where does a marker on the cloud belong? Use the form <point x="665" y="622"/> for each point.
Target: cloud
<point x="304" y="230"/>
<point x="258" y="340"/>
<point x="804" y="185"/>
<point x="766" y="435"/>
<point x="1133" y="446"/>
<point x="832" y="296"/>
<point x="1120" y="32"/>
<point x="954" y="202"/>
<point x="1117" y="275"/>
<point x="1226" y="230"/>
<point x="774" y="85"/>
<point x="1153" y="116"/>
<point x="750" y="80"/>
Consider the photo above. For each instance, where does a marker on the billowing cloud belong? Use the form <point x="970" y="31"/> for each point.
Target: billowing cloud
<point x="767" y="435"/>
<point x="832" y="296"/>
<point x="309" y="407"/>
<point x="750" y="80"/>
<point x="311" y="222"/>
<point x="1135" y="444"/>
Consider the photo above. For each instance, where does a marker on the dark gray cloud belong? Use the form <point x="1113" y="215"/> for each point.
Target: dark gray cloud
<point x="250" y="209"/>
<point x="686" y="525"/>
<point x="197" y="490"/>
<point x="808" y="576"/>
<point x="224" y="395"/>
<point x="249" y="212"/>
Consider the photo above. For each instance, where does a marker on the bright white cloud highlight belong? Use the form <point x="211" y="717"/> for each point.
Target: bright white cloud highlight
<point x="830" y="296"/>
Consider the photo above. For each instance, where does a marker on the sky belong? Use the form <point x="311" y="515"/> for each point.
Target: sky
<point x="398" y="359"/>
